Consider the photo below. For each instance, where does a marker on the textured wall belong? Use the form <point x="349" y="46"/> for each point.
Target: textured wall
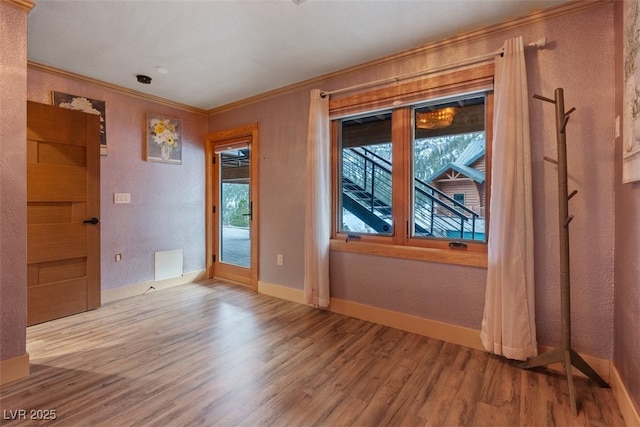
<point x="579" y="53"/>
<point x="13" y="182"/>
<point x="282" y="133"/>
<point x="167" y="201"/>
<point x="627" y="262"/>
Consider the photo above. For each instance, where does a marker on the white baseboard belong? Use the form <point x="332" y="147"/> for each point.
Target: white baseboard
<point x="625" y="403"/>
<point x="418" y="325"/>
<point x="282" y="292"/>
<point x="115" y="294"/>
<point x="14" y="369"/>
<point x="454" y="334"/>
<point x="450" y="333"/>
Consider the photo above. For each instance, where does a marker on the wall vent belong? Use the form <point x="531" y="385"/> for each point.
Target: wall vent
<point x="168" y="264"/>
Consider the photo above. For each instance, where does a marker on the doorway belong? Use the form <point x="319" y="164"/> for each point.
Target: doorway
<point x="63" y="207"/>
<point x="232" y="205"/>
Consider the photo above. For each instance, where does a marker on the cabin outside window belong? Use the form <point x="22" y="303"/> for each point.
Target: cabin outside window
<point x="412" y="169"/>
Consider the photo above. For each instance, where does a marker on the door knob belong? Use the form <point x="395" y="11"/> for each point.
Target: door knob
<point x="91" y="221"/>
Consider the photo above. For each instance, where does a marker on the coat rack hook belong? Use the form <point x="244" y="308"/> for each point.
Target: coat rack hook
<point x="573" y="193"/>
<point x="569" y="219"/>
<point x="544" y="98"/>
<point x="550" y="160"/>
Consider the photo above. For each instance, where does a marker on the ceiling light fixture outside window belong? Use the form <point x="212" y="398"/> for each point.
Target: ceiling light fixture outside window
<point x="437" y="119"/>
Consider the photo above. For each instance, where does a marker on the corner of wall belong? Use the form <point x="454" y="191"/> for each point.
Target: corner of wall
<point x="625" y="403"/>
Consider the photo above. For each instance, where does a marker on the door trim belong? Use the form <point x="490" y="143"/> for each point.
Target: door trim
<point x="214" y="139"/>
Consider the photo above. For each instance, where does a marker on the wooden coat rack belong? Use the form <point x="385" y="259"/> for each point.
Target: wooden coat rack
<point x="566" y="355"/>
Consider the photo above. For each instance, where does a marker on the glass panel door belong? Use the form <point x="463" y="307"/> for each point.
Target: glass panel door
<point x="235" y="205"/>
<point x="232" y="205"/>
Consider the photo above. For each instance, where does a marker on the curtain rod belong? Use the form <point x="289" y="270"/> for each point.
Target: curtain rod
<point x="538" y="44"/>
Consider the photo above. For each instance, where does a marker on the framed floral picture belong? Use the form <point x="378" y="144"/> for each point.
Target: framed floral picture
<point x="164" y="139"/>
<point x="88" y="105"/>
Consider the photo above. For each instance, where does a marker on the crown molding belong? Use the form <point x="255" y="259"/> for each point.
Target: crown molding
<point x="532" y="17"/>
<point x="24" y="5"/>
<point x="134" y="93"/>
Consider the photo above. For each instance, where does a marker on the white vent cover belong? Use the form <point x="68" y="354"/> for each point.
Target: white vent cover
<point x="168" y="264"/>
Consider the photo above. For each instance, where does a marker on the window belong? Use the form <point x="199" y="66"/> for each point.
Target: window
<point x="366" y="163"/>
<point x="449" y="164"/>
<point x="415" y="175"/>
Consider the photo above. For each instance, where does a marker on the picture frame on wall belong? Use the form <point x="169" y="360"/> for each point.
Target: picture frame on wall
<point x="87" y="105"/>
<point x="631" y="110"/>
<point x="164" y="139"/>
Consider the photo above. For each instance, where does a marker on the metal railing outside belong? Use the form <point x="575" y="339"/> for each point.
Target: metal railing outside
<point x="367" y="181"/>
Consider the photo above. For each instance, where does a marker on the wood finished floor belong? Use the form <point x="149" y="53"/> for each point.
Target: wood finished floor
<point x="218" y="354"/>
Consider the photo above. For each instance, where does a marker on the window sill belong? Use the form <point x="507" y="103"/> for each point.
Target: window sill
<point x="447" y="256"/>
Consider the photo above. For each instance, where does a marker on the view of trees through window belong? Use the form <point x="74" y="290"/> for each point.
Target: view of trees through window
<point x="235" y="204"/>
<point x="448" y="192"/>
<point x="446" y="165"/>
<point x="431" y="154"/>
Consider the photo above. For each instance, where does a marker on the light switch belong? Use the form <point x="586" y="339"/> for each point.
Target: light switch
<point x="121" y="198"/>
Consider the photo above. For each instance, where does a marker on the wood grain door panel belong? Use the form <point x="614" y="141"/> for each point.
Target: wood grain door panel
<point x="48" y="128"/>
<point x="54" y="183"/>
<point x="56" y="271"/>
<point x="56" y="299"/>
<point x="63" y="190"/>
<point x="61" y="154"/>
<point x="63" y="241"/>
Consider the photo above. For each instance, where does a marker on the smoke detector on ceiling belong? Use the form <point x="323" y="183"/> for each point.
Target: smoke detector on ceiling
<point x="143" y="79"/>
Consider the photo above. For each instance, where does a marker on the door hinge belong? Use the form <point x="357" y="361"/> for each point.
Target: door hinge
<point x="213" y="258"/>
<point x="213" y="209"/>
<point x="213" y="159"/>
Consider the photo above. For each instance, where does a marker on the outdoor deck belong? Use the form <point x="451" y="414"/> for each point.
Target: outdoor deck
<point x="236" y="246"/>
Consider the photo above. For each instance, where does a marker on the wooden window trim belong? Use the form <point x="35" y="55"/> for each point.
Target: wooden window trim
<point x="399" y="98"/>
<point x="443" y="244"/>
<point x="413" y="91"/>
<point x="433" y="254"/>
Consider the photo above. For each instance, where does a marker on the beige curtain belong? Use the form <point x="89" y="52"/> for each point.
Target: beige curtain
<point x="318" y="203"/>
<point x="508" y="325"/>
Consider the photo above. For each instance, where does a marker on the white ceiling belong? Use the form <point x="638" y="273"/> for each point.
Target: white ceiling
<point x="220" y="51"/>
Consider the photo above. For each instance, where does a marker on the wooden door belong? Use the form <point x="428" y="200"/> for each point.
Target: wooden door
<point x="63" y="207"/>
<point x="232" y="222"/>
